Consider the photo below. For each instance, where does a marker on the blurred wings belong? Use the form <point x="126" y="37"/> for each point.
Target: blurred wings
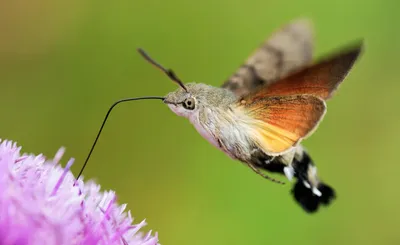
<point x="281" y="93"/>
<point x="287" y="51"/>
<point x="288" y="110"/>
<point x="278" y="123"/>
<point x="320" y="79"/>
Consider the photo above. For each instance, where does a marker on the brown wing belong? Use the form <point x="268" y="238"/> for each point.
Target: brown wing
<point x="279" y="123"/>
<point x="288" y="50"/>
<point x="320" y="79"/>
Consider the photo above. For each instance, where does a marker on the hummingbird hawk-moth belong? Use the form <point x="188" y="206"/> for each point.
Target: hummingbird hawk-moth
<point x="260" y="115"/>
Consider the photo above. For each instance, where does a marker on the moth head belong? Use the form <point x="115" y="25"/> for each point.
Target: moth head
<point x="199" y="96"/>
<point x="185" y="101"/>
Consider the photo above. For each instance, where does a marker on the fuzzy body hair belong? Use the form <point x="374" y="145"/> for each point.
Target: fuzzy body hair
<point x="217" y="119"/>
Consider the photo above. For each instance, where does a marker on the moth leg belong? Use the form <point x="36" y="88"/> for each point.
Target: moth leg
<point x="263" y="161"/>
<point x="275" y="164"/>
<point x="257" y="171"/>
<point x="260" y="159"/>
<point x="269" y="160"/>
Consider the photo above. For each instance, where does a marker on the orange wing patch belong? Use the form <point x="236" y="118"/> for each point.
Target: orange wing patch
<point x="320" y="79"/>
<point x="279" y="123"/>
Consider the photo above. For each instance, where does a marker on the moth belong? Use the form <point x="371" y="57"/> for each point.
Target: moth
<point x="261" y="114"/>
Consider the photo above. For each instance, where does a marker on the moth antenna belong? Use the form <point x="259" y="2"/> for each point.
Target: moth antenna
<point x="104" y="122"/>
<point x="170" y="73"/>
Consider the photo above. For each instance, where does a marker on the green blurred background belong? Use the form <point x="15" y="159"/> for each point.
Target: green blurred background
<point x="63" y="63"/>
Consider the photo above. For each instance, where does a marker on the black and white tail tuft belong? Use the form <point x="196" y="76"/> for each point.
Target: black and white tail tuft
<point x="308" y="191"/>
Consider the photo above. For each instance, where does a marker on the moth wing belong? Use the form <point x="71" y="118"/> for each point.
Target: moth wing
<point x="286" y="51"/>
<point x="320" y="79"/>
<point x="276" y="124"/>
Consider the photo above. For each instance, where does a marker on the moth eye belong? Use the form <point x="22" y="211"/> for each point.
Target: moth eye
<point x="189" y="104"/>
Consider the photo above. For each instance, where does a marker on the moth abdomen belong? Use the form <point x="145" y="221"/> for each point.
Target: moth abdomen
<point x="309" y="191"/>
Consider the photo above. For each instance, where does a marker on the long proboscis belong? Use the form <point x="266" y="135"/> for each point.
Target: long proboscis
<point x="105" y="120"/>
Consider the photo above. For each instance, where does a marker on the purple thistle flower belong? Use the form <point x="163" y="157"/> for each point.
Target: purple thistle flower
<point x="42" y="203"/>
